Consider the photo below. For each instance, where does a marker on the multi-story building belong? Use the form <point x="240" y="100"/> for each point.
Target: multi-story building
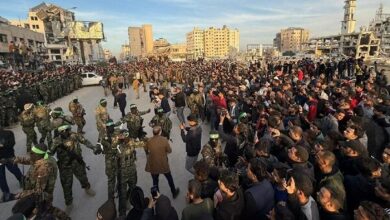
<point x="195" y="43"/>
<point x="66" y="40"/>
<point x="349" y="22"/>
<point x="381" y="27"/>
<point x="365" y="43"/>
<point x="212" y="42"/>
<point x="141" y="40"/>
<point x="125" y="52"/>
<point x="16" y="34"/>
<point x="278" y="42"/>
<point x="292" y="39"/>
<point x="160" y="43"/>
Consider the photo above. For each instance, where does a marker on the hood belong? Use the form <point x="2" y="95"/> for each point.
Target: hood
<point x="164" y="210"/>
<point x="137" y="199"/>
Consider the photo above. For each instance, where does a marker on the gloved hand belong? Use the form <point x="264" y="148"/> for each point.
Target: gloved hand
<point x="97" y="150"/>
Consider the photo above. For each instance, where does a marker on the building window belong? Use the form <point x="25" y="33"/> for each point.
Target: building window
<point x="33" y="26"/>
<point x="37" y="26"/>
<point x="3" y="38"/>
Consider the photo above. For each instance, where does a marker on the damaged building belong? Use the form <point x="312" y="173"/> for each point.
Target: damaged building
<point x="381" y="27"/>
<point x="66" y="39"/>
<point x="364" y="43"/>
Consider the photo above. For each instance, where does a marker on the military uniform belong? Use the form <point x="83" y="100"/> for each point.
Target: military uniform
<point x="70" y="160"/>
<point x="44" y="91"/>
<point x="195" y="103"/>
<point x="164" y="122"/>
<point x="42" y="118"/>
<point x="40" y="177"/>
<point x="213" y="156"/>
<point x="102" y="117"/>
<point x="3" y="114"/>
<point x="120" y="157"/>
<point x="78" y="113"/>
<point x="134" y="123"/>
<point x="59" y="119"/>
<point x="27" y="120"/>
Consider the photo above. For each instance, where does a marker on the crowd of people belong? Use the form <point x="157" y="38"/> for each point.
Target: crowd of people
<point x="298" y="140"/>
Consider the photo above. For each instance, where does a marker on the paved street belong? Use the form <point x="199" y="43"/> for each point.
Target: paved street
<point x="85" y="207"/>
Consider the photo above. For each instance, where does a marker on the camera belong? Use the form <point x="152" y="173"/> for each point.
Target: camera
<point x="223" y="112"/>
<point x="154" y="191"/>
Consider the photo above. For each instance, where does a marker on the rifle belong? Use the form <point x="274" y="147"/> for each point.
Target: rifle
<point x="78" y="158"/>
<point x="119" y="183"/>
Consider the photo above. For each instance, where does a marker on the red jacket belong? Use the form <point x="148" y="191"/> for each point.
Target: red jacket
<point x="312" y="110"/>
<point x="219" y="102"/>
<point x="300" y="75"/>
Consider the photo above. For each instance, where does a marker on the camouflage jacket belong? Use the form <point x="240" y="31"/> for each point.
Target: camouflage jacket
<point x="69" y="149"/>
<point x="41" y="176"/>
<point x="164" y="122"/>
<point x="101" y="116"/>
<point x="42" y="115"/>
<point x="134" y="122"/>
<point x="27" y="119"/>
<point x="76" y="109"/>
<point x="212" y="156"/>
<point x="58" y="122"/>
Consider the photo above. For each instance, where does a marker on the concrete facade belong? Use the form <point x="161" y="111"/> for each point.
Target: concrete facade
<point x="349" y="22"/>
<point x="141" y="40"/>
<point x="55" y="23"/>
<point x="291" y="39"/>
<point x="10" y="33"/>
<point x="212" y="42"/>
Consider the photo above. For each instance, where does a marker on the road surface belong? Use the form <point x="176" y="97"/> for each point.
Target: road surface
<point x="85" y="207"/>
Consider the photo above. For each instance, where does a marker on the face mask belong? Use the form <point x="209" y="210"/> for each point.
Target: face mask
<point x="110" y="129"/>
<point x="213" y="142"/>
<point x="104" y="104"/>
<point x="65" y="134"/>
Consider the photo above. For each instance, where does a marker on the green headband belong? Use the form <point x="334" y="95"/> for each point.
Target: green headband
<point x="214" y="136"/>
<point x="242" y="115"/>
<point x="109" y="123"/>
<point x="39" y="151"/>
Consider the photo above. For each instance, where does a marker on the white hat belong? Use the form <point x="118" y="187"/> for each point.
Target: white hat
<point x="28" y="106"/>
<point x="324" y="96"/>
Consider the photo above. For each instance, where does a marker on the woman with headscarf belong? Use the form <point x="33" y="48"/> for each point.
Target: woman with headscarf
<point x="139" y="203"/>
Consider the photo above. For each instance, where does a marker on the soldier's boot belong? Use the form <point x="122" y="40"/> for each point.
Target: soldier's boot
<point x="90" y="192"/>
<point x="69" y="208"/>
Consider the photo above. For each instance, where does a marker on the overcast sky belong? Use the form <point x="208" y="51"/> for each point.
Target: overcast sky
<point x="257" y="20"/>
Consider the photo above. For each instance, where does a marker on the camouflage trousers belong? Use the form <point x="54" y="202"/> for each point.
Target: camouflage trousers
<point x="128" y="181"/>
<point x="102" y="132"/>
<point x="31" y="137"/>
<point x="45" y="132"/>
<point x="80" y="122"/>
<point x="67" y="170"/>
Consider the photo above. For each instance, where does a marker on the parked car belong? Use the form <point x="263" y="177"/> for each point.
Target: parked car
<point x="91" y="78"/>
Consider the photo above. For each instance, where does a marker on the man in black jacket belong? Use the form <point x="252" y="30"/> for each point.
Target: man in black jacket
<point x="229" y="198"/>
<point x="193" y="140"/>
<point x="165" y="104"/>
<point x="180" y="103"/>
<point x="259" y="198"/>
<point x="7" y="143"/>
